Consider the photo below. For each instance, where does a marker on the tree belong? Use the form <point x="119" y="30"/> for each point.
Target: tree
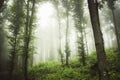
<point x="27" y="35"/>
<point x="2" y="43"/>
<point x="111" y="4"/>
<point x="79" y="21"/>
<point x="101" y="55"/>
<point x="17" y="14"/>
<point x="1" y="35"/>
<point x="66" y="5"/>
<point x="56" y="3"/>
<point x="67" y="49"/>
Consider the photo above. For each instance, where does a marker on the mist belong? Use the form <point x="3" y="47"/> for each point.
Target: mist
<point x="59" y="39"/>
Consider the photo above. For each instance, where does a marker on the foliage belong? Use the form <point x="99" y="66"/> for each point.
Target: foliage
<point x="48" y="71"/>
<point x="14" y="34"/>
<point x="21" y="16"/>
<point x="75" y="71"/>
<point x="79" y="21"/>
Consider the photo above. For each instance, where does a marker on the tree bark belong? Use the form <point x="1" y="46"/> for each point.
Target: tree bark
<point x="101" y="55"/>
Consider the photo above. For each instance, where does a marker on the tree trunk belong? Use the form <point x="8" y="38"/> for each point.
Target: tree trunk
<point x="59" y="25"/>
<point x="3" y="55"/>
<point x="26" y="44"/>
<point x="116" y="29"/>
<point x="1" y="38"/>
<point x="78" y="22"/>
<point x="67" y="29"/>
<point x="28" y="31"/>
<point x="101" y="56"/>
<point x="18" y="4"/>
<point x="13" y="58"/>
<point x="82" y="48"/>
<point x="86" y="42"/>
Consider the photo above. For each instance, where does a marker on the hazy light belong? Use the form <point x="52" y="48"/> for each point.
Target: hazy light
<point x="10" y="2"/>
<point x="44" y="14"/>
<point x="46" y="33"/>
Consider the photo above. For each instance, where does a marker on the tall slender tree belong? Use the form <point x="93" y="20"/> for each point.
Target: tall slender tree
<point x="67" y="49"/>
<point x="111" y="4"/>
<point x="2" y="42"/>
<point x="78" y="9"/>
<point x="57" y="3"/>
<point x="17" y="14"/>
<point x="66" y="5"/>
<point x="1" y="34"/>
<point x="27" y="35"/>
<point x="101" y="55"/>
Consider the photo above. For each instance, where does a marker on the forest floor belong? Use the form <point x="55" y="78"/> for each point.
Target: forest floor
<point x="75" y="70"/>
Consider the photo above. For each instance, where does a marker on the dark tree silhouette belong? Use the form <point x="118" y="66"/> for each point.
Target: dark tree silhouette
<point x="101" y="55"/>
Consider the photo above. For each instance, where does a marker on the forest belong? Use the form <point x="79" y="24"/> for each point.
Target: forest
<point x="59" y="39"/>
